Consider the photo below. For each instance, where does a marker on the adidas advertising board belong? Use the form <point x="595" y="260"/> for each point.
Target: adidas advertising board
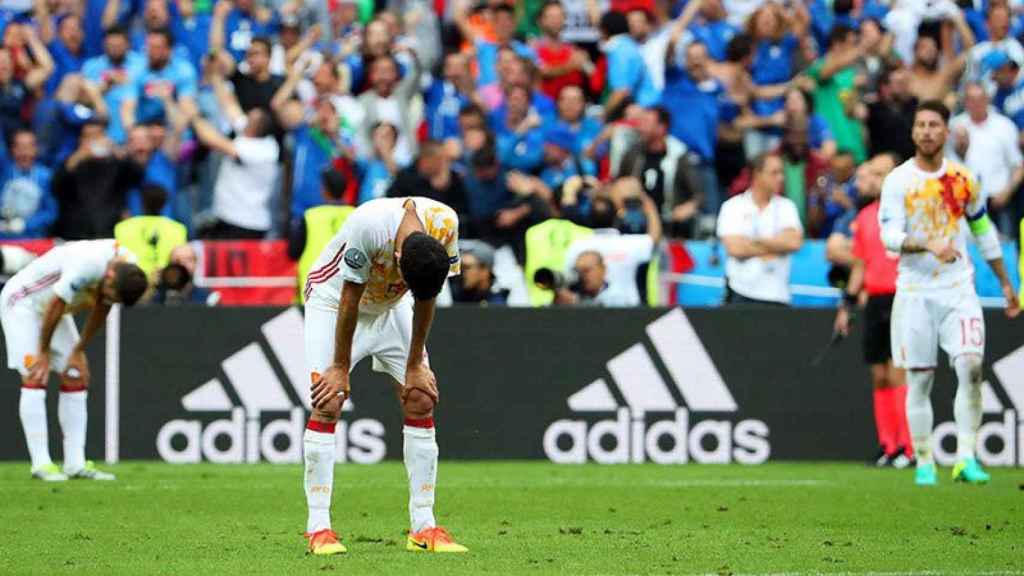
<point x="582" y="385"/>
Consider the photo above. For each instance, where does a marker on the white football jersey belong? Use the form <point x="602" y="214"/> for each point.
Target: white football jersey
<point x="926" y="206"/>
<point x="363" y="251"/>
<point x="71" y="272"/>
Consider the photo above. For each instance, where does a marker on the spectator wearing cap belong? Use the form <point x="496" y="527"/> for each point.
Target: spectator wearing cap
<point x="236" y="23"/>
<point x="694" y="90"/>
<point x="891" y="116"/>
<point x="561" y="162"/>
<point x="988" y="143"/>
<point x="560" y="63"/>
<point x="503" y="21"/>
<point x="112" y="72"/>
<point x="999" y="40"/>
<point x="519" y="132"/>
<point x="378" y="171"/>
<point x="659" y="162"/>
<point x="629" y="81"/>
<point x="164" y="76"/>
<point x="476" y="283"/>
<point x="27" y="208"/>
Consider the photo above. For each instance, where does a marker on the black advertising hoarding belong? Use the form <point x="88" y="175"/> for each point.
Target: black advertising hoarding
<point x="610" y="386"/>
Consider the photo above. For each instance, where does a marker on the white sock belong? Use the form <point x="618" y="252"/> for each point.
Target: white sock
<point x="420" y="451"/>
<point x="32" y="409"/>
<point x="318" y="454"/>
<point x="920" y="418"/>
<point x="72" y="415"/>
<point x="967" y="404"/>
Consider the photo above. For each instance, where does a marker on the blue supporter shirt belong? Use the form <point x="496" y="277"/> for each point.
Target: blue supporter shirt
<point x="310" y="158"/>
<point x="443" y="104"/>
<point x="177" y="72"/>
<point x="1011" y="104"/>
<point x="162" y="171"/>
<point x="97" y="70"/>
<point x="627" y="71"/>
<point x="715" y="35"/>
<point x="240" y="28"/>
<point x="586" y="131"/>
<point x="487" y="59"/>
<point x="92" y="24"/>
<point x="773" y="64"/>
<point x="485" y="197"/>
<point x="817" y="131"/>
<point x="26" y="194"/>
<point x="703" y="103"/>
<point x="523" y="152"/>
<point x="192" y="35"/>
<point x="375" y="180"/>
<point x="64" y="63"/>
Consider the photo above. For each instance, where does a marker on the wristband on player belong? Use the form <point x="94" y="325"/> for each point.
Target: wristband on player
<point x="849" y="300"/>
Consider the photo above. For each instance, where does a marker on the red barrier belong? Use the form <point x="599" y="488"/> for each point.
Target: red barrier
<point x="247" y="273"/>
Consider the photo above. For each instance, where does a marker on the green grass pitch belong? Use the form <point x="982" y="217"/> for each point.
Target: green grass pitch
<point x="517" y="518"/>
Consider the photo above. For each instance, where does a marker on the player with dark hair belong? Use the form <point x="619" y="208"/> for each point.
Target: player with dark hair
<point x="357" y="306"/>
<point x="927" y="202"/>
<point x="36" y="309"/>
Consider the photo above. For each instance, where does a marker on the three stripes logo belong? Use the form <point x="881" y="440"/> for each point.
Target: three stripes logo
<point x="1000" y="439"/>
<point x="251" y="432"/>
<point x="632" y="436"/>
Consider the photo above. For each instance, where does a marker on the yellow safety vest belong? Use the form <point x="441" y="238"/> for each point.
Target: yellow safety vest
<point x="546" y="246"/>
<point x="151" y="239"/>
<point x="322" y="223"/>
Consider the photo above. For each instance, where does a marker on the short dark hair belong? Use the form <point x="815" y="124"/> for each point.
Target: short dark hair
<point x="263" y="122"/>
<point x="838" y="34"/>
<point x="933" y="106"/>
<point x="664" y="116"/>
<point x="614" y="23"/>
<point x="130" y="282"/>
<point x="334" y="182"/>
<point x="548" y="5"/>
<point x="503" y="7"/>
<point x="263" y="41"/>
<point x="116" y="30"/>
<point x="154" y="198"/>
<point x="424" y="265"/>
<point x="473" y="110"/>
<point x="165" y="32"/>
<point x="739" y="48"/>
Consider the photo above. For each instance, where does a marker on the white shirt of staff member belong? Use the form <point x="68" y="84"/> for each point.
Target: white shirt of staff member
<point x="760" y="229"/>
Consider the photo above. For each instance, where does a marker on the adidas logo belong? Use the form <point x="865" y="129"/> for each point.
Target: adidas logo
<point x="1000" y="442"/>
<point x="630" y="437"/>
<point x="250" y="432"/>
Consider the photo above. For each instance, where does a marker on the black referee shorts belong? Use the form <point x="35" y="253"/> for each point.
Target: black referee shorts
<point x="877" y="317"/>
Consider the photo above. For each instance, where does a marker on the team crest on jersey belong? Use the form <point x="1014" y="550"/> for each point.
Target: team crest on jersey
<point x="355" y="259"/>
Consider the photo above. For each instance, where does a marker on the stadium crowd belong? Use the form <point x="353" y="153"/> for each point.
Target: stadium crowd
<point x="534" y="120"/>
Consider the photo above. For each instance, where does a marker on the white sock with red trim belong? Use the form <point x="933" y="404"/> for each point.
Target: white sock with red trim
<point x="72" y="414"/>
<point x="318" y="454"/>
<point x="420" y="452"/>
<point x="32" y="409"/>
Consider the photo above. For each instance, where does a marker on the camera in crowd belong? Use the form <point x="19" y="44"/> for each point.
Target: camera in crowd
<point x="554" y="281"/>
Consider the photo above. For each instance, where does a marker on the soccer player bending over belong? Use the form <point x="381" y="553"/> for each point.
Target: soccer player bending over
<point x="925" y="202"/>
<point x="358" y="305"/>
<point x="36" y="308"/>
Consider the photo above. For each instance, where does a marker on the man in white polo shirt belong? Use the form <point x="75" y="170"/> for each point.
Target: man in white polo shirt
<point x="759" y="230"/>
<point x="986" y="141"/>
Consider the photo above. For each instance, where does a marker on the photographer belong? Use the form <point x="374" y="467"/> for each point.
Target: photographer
<point x="175" y="286"/>
<point x="609" y="267"/>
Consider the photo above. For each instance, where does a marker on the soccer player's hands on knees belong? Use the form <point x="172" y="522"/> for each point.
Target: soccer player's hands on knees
<point x="1012" y="302"/>
<point x="38" y="371"/>
<point x="943" y="250"/>
<point x="333" y="382"/>
<point x="420" y="378"/>
<point x="77" y="369"/>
